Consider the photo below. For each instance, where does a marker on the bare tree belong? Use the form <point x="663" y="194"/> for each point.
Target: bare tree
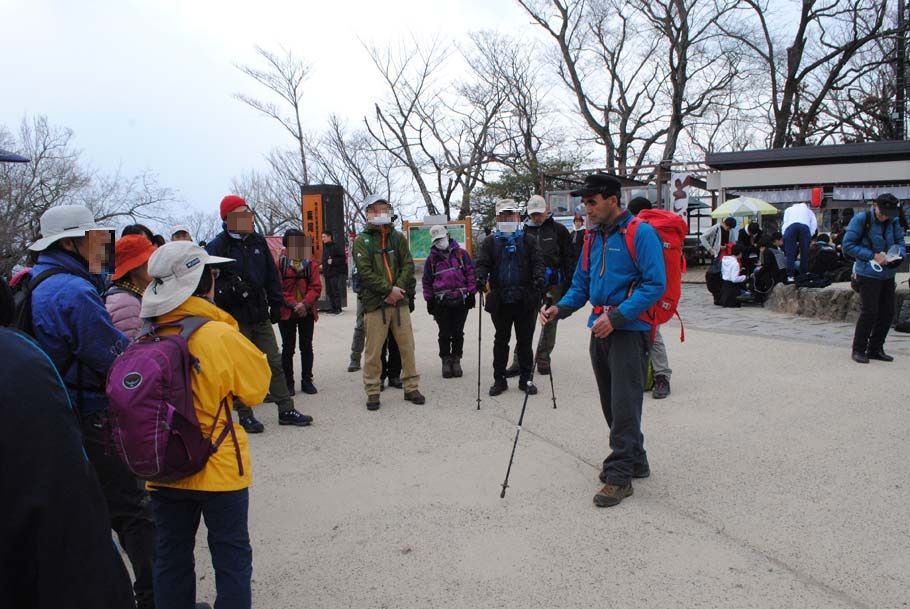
<point x="283" y="75"/>
<point x="203" y="225"/>
<point x="813" y="61"/>
<point x="118" y="198"/>
<point x="397" y="126"/>
<point x="264" y="193"/>
<point x="608" y="64"/>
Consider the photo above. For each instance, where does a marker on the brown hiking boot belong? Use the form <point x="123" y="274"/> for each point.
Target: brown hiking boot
<point x="415" y="397"/>
<point x="612" y="494"/>
<point x="543" y="367"/>
<point x="373" y="402"/>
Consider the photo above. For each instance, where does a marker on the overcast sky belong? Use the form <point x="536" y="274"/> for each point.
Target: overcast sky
<point x="149" y="84"/>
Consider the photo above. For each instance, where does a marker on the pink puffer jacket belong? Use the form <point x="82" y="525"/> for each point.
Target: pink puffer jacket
<point x="124" y="309"/>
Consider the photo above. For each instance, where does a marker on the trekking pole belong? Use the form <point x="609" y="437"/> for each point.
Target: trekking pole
<point x="521" y="418"/>
<point x="479" y="327"/>
<point x="548" y="302"/>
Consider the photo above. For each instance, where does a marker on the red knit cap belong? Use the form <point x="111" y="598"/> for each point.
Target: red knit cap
<point x="229" y="204"/>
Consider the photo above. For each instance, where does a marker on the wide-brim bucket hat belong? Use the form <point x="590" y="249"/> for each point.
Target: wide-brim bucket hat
<point x="65" y="222"/>
<point x="176" y="269"/>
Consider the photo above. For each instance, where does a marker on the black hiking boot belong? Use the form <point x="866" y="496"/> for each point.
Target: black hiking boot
<point x="880" y="355"/>
<point x="457" y="372"/>
<point x="251" y="425"/>
<point x="354" y="364"/>
<point x="513" y="370"/>
<point x="308" y="387"/>
<point x="447" y="367"/>
<point x="291" y="390"/>
<point x="661" y="387"/>
<point x="395" y="381"/>
<point x="292" y="417"/>
<point x="528" y="387"/>
<point x="498" y="386"/>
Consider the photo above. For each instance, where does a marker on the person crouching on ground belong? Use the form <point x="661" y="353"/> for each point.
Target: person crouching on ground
<point x="731" y="273"/>
<point x="386" y="272"/>
<point x="301" y="286"/>
<point x="512" y="263"/>
<point x="448" y="288"/>
<point x="620" y="288"/>
<point x="229" y="366"/>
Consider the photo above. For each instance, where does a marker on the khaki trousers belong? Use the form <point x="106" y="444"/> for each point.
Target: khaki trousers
<point x="377" y="325"/>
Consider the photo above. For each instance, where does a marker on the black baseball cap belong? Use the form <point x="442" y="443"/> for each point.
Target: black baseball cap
<point x="598" y="184"/>
<point x="888" y="205"/>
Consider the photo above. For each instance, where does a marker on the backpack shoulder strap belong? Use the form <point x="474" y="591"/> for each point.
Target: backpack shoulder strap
<point x="40" y="277"/>
<point x="629" y="232"/>
<point x="188" y="325"/>
<point x="586" y="249"/>
<point x="282" y="265"/>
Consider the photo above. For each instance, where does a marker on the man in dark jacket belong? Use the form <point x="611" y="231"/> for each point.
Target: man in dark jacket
<point x="555" y="245"/>
<point x="334" y="270"/>
<point x="250" y="290"/>
<point x="386" y="273"/>
<point x="510" y="260"/>
<point x="72" y="326"/>
<point x="47" y="485"/>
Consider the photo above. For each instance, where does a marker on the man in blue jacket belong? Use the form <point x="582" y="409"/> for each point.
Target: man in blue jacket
<point x="250" y="290"/>
<point x="869" y="237"/>
<point x="72" y="326"/>
<point x="620" y="289"/>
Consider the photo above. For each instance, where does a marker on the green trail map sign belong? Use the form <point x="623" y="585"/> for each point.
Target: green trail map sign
<point x="419" y="237"/>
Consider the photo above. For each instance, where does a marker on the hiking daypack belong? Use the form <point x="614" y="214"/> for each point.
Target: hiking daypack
<point x="22" y="299"/>
<point x="671" y="229"/>
<point x="153" y="418"/>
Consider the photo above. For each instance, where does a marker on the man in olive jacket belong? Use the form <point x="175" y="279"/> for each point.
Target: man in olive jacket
<point x="386" y="272"/>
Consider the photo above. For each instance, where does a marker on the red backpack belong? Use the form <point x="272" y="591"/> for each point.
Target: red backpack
<point x="671" y="229"/>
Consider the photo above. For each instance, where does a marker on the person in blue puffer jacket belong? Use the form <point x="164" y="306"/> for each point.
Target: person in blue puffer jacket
<point x="870" y="236"/>
<point x="621" y="289"/>
<point x="72" y="326"/>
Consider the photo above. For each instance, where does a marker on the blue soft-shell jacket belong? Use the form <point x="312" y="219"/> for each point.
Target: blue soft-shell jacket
<point x="880" y="237"/>
<point x="74" y="329"/>
<point x="611" y="272"/>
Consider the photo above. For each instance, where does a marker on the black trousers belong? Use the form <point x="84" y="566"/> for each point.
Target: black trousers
<point x="290" y="330"/>
<point x="335" y="287"/>
<point x="522" y="318"/>
<point x="875" y="315"/>
<point x="620" y="362"/>
<point x="451" y="322"/>
<point x="127" y="503"/>
<point x="391" y="359"/>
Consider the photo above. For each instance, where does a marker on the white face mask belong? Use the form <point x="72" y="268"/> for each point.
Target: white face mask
<point x="531" y="222"/>
<point x="507" y="227"/>
<point x="441" y="244"/>
<point x="381" y="219"/>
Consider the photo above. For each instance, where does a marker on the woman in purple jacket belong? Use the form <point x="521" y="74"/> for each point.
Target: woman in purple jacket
<point x="448" y="288"/>
<point x="124" y="298"/>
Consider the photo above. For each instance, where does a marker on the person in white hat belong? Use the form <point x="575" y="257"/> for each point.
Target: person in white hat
<point x="229" y="365"/>
<point x="449" y="288"/>
<point x="180" y="232"/>
<point x="71" y="325"/>
<point x="510" y="260"/>
<point x="556" y="247"/>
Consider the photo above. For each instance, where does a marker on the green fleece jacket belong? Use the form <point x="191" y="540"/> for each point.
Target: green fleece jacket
<point x="383" y="260"/>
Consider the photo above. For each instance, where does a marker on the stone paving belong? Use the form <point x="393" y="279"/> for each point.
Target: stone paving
<point x="698" y="311"/>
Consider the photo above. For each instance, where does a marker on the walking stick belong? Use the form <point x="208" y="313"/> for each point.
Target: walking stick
<point x="548" y="302"/>
<point x="479" y="330"/>
<point x="521" y="418"/>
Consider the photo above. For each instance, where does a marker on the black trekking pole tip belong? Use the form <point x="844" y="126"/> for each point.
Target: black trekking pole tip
<point x="502" y="495"/>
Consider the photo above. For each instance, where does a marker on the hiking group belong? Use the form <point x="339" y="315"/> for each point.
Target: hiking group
<point x="140" y="369"/>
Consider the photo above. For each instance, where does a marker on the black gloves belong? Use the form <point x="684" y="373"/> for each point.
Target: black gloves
<point x="469" y="301"/>
<point x="431" y="306"/>
<point x="481" y="285"/>
<point x="275" y="315"/>
<point x="410" y="303"/>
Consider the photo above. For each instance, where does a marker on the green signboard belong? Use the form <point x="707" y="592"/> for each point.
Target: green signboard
<point x="419" y="238"/>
